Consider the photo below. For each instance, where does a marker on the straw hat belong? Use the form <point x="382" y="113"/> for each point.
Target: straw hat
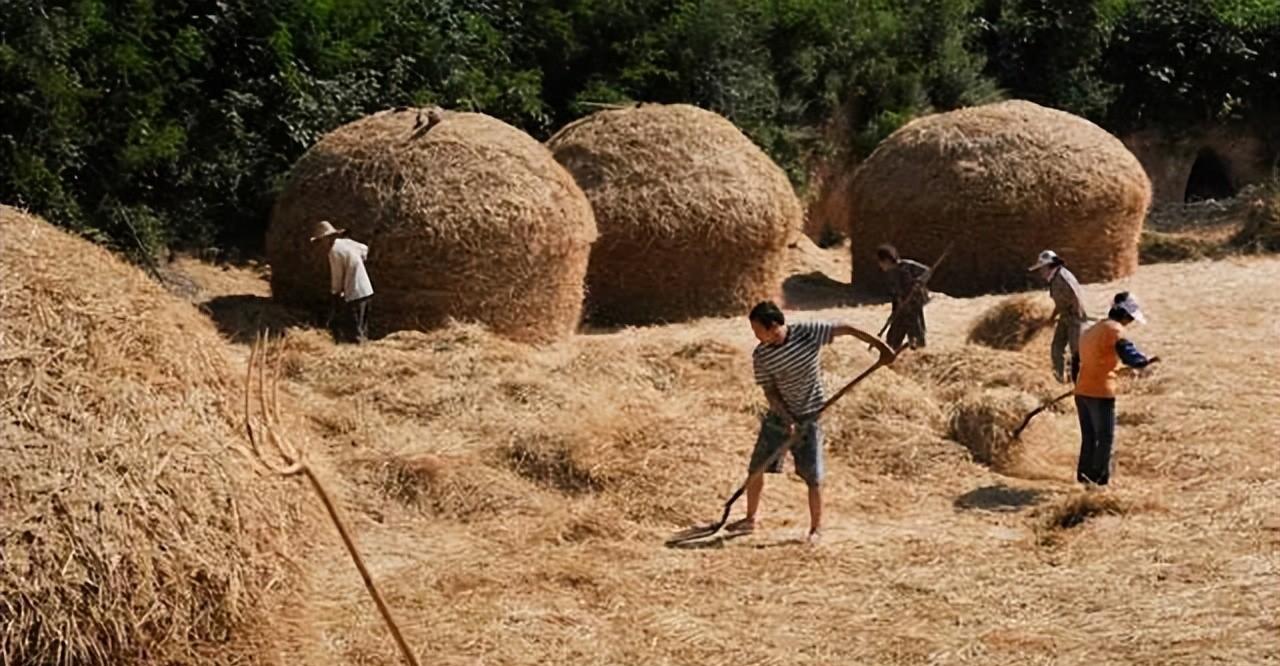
<point x="324" y="229"/>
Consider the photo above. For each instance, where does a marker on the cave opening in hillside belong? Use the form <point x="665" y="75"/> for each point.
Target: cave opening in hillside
<point x="1209" y="179"/>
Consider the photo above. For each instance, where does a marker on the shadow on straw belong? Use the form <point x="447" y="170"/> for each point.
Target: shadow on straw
<point x="719" y="541"/>
<point x="999" y="498"/>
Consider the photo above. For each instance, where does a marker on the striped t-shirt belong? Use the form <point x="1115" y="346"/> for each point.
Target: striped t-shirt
<point x="792" y="367"/>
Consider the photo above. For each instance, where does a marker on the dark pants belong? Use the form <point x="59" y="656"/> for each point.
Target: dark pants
<point x="357" y="327"/>
<point x="1097" y="433"/>
<point x="807" y="451"/>
<point x="907" y="324"/>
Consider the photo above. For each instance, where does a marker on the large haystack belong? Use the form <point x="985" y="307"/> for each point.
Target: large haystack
<point x="694" y="218"/>
<point x="469" y="219"/>
<point x="1003" y="182"/>
<point x="134" y="532"/>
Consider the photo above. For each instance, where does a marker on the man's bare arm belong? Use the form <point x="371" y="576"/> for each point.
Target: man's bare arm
<point x="844" y="329"/>
<point x="776" y="405"/>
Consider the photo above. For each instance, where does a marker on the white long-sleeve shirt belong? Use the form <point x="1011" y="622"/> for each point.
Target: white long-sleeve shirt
<point x="347" y="276"/>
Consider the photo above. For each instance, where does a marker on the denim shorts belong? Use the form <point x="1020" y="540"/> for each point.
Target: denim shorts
<point x="807" y="451"/>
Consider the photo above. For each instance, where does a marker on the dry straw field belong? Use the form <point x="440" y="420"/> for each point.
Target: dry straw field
<point x="512" y="501"/>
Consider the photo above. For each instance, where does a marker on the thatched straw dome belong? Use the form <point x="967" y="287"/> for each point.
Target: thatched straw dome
<point x="1003" y="181"/>
<point x="470" y="219"/>
<point x="134" y="532"/>
<point x="694" y="218"/>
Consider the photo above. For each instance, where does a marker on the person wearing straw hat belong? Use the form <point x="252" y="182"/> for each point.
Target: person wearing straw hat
<point x="1068" y="312"/>
<point x="1102" y="349"/>
<point x="348" y="280"/>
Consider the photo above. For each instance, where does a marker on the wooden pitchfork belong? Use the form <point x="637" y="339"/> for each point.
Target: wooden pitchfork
<point x="887" y="355"/>
<point x="262" y="380"/>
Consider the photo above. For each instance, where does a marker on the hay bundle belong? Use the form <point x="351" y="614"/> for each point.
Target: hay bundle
<point x="133" y="531"/>
<point x="470" y="219"/>
<point x="984" y="422"/>
<point x="954" y="372"/>
<point x="1012" y="323"/>
<point x="1003" y="181"/>
<point x="694" y="218"/>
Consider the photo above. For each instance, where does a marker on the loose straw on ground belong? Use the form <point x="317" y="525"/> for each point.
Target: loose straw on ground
<point x="268" y="429"/>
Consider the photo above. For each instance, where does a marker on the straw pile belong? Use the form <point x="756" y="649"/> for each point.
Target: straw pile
<point x="1012" y="323"/>
<point x="133" y="532"/>
<point x="694" y="218"/>
<point x="984" y="422"/>
<point x="1003" y="182"/>
<point x="470" y="219"/>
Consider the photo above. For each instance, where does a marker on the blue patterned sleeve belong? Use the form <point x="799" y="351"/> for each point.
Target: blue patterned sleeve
<point x="1129" y="354"/>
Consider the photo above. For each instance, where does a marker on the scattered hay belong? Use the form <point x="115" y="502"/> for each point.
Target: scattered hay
<point x="554" y="462"/>
<point x="984" y="422"/>
<point x="694" y="218"/>
<point x="1157" y="247"/>
<point x="1004" y="181"/>
<point x="407" y="479"/>
<point x="459" y="488"/>
<point x="1261" y="232"/>
<point x="472" y="220"/>
<point x="1012" y="323"/>
<point x="134" y="533"/>
<point x="1081" y="506"/>
<point x="954" y="372"/>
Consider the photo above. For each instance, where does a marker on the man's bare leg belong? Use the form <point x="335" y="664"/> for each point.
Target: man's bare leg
<point x="755" y="487"/>
<point x="815" y="512"/>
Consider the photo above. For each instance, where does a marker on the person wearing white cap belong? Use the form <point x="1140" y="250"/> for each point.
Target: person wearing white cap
<point x="348" y="280"/>
<point x="1102" y="349"/>
<point x="1068" y="312"/>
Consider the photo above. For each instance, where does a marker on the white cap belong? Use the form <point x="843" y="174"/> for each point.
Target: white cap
<point x="1046" y="258"/>
<point x="1125" y="301"/>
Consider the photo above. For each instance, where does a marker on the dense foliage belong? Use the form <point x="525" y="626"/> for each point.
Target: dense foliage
<point x="146" y="123"/>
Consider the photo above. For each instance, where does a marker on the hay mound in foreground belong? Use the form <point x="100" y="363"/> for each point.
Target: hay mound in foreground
<point x="694" y="218"/>
<point x="1003" y="182"/>
<point x="134" y="533"/>
<point x="984" y="422"/>
<point x="1012" y="323"/>
<point x="469" y="219"/>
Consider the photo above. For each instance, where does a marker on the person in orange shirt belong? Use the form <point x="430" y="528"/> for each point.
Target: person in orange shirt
<point x="1102" y="349"/>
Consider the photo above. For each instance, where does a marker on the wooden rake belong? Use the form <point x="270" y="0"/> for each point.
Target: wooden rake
<point x="264" y="430"/>
<point x="887" y="355"/>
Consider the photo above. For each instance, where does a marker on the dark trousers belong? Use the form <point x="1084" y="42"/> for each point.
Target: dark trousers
<point x="353" y="324"/>
<point x="1097" y="434"/>
<point x="907" y="324"/>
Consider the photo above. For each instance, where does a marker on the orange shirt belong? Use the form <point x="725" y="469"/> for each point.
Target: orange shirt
<point x="1098" y="360"/>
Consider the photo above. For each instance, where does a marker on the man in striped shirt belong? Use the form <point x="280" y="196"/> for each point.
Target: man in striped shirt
<point x="786" y="367"/>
